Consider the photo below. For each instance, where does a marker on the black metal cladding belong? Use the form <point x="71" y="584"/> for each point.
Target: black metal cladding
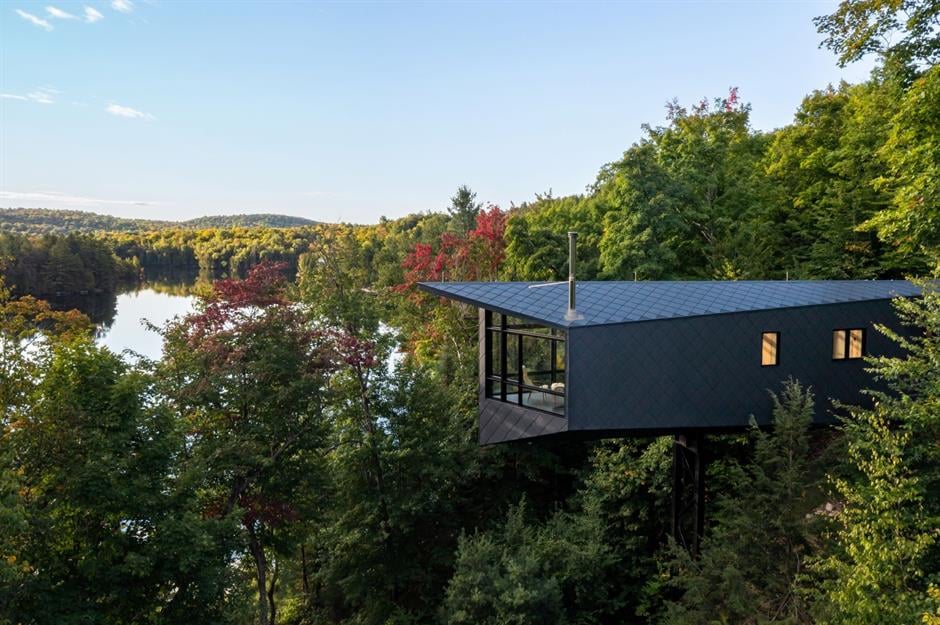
<point x="706" y="373"/>
<point x="674" y="364"/>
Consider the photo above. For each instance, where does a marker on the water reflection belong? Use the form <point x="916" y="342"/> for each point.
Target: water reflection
<point x="102" y="308"/>
<point x="135" y="309"/>
<point x="118" y="316"/>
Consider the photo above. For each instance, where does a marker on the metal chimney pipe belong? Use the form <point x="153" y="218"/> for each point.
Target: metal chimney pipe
<point x="572" y="262"/>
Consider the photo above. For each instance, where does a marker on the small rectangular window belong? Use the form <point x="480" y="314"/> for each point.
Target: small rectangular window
<point x="838" y="345"/>
<point x="770" y="347"/>
<point x="856" y="339"/>
<point x="848" y="344"/>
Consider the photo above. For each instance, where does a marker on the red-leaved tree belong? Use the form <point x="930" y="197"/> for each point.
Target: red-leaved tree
<point x="247" y="373"/>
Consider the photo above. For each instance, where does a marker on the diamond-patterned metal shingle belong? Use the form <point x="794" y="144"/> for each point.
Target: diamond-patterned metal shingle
<point x="602" y="303"/>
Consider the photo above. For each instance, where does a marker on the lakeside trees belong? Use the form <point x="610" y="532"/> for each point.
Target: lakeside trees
<point x="51" y="265"/>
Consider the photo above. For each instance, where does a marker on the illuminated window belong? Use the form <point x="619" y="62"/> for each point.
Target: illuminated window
<point x="838" y="344"/>
<point x="848" y="344"/>
<point x="770" y="349"/>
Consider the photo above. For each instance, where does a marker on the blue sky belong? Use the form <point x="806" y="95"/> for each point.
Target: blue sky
<point x="350" y="111"/>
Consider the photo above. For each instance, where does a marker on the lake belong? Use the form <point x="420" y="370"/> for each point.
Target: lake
<point x="119" y="317"/>
<point x="127" y="330"/>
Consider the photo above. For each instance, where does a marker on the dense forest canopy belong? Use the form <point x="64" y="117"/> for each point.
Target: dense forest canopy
<point x="279" y="464"/>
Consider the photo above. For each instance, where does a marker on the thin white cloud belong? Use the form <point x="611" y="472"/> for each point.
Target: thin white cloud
<point x="126" y="111"/>
<point x="32" y="19"/>
<point x="92" y="15"/>
<point x="54" y="198"/>
<point x="42" y="95"/>
<point x="124" y="6"/>
<point x="59" y="14"/>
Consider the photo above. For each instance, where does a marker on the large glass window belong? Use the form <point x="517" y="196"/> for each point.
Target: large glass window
<point x="525" y="363"/>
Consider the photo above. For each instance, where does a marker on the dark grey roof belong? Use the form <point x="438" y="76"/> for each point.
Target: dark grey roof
<point x="621" y="302"/>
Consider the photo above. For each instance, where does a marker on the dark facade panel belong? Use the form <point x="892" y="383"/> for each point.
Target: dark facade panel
<point x="706" y="372"/>
<point x="501" y="422"/>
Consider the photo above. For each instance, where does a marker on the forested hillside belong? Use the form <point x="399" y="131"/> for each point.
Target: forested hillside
<point x="304" y="452"/>
<point x="51" y="221"/>
<point x="60" y="265"/>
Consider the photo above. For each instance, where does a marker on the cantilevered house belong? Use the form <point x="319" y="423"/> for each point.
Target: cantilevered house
<point x="680" y="358"/>
<point x="666" y="357"/>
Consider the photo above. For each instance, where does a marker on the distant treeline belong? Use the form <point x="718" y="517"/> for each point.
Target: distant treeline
<point x="213" y="252"/>
<point x="60" y="265"/>
<point x="50" y="221"/>
<point x="76" y="263"/>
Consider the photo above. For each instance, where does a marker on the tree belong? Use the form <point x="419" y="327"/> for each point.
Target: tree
<point x="103" y="535"/>
<point x="29" y="334"/>
<point x="246" y="374"/>
<point x="752" y="556"/>
<point x="824" y="166"/>
<point x="390" y="535"/>
<point x="887" y="545"/>
<point x="477" y="256"/>
<point x="679" y="202"/>
<point x="912" y="153"/>
<point x="463" y="210"/>
<point x="537" y="238"/>
<point x="902" y="31"/>
<point x="530" y="573"/>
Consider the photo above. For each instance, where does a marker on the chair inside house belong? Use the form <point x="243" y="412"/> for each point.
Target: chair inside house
<point x="539" y="399"/>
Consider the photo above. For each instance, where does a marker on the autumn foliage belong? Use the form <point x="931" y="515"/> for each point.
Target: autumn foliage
<point x="476" y="256"/>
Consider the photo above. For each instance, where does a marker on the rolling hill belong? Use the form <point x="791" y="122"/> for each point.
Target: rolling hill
<point x="52" y="221"/>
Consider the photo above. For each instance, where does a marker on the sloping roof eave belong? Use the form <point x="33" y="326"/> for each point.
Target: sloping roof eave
<point x="611" y="303"/>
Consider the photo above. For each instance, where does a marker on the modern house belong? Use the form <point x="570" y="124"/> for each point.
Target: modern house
<point x="636" y="358"/>
<point x="679" y="358"/>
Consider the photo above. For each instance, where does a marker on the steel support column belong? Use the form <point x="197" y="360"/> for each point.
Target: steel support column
<point x="688" y="490"/>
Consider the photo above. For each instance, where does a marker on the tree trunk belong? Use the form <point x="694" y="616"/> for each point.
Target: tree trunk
<point x="272" y="605"/>
<point x="303" y="569"/>
<point x="261" y="568"/>
<point x="372" y="435"/>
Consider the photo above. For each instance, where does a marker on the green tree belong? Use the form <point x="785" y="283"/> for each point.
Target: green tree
<point x="887" y="542"/>
<point x="912" y="153"/>
<point x="463" y="210"/>
<point x="628" y="483"/>
<point x="29" y="332"/>
<point x="525" y="572"/>
<point x="400" y="455"/>
<point x="824" y="166"/>
<point x="755" y="551"/>
<point x="902" y="31"/>
<point x="537" y="238"/>
<point x="679" y="203"/>
<point x="103" y="536"/>
<point x="246" y="374"/>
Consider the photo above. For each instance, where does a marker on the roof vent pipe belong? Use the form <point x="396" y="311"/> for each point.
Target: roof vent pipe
<point x="572" y="313"/>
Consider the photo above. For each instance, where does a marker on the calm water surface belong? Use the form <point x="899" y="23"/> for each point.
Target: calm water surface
<point x="128" y="331"/>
